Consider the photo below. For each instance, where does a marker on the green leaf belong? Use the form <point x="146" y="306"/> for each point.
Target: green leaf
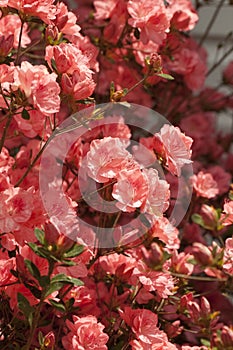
<point x="66" y="279"/>
<point x="24" y="305"/>
<point x="34" y="271"/>
<point x="197" y="219"/>
<point x="44" y="281"/>
<point x="25" y="115"/>
<point x="40" y="235"/>
<point x="165" y="76"/>
<point x="74" y="251"/>
<point x="54" y="287"/>
<point x="35" y="291"/>
<point x="57" y="305"/>
<point x="53" y="64"/>
<point x="39" y="250"/>
<point x="40" y="338"/>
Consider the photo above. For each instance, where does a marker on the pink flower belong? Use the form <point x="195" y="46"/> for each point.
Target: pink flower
<point x="204" y="185"/>
<point x="183" y="15"/>
<point x="10" y="25"/>
<point x="227" y="215"/>
<point x="143" y="324"/>
<point x="66" y="21"/>
<point x="44" y="10"/>
<point x="79" y="85"/>
<point x="68" y="58"/>
<point x="131" y="189"/>
<point x="228" y="256"/>
<point x="39" y="86"/>
<point x="175" y="146"/>
<point x="33" y="126"/>
<point x="5" y="275"/>
<point x="104" y="9"/>
<point x="151" y="19"/>
<point x="166" y="232"/>
<point x="85" y="333"/>
<point x="106" y="158"/>
<point x="157" y="201"/>
<point x="161" y="282"/>
<point x="15" y="208"/>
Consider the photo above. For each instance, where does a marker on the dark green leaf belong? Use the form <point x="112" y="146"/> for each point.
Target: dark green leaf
<point x="25" y="114"/>
<point x="74" y="251"/>
<point x="39" y="250"/>
<point x="35" y="291"/>
<point x="44" y="281"/>
<point x="66" y="279"/>
<point x="54" y="287"/>
<point x="57" y="305"/>
<point x="40" y="235"/>
<point x="24" y="305"/>
<point x="32" y="269"/>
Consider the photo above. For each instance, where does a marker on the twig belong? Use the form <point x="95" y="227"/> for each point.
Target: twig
<point x="211" y="22"/>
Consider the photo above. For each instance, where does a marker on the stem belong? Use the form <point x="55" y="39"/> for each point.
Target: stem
<point x="219" y="61"/>
<point x="5" y="129"/>
<point x="19" y="44"/>
<point x="32" y="164"/>
<point x="198" y="278"/>
<point x="211" y="22"/>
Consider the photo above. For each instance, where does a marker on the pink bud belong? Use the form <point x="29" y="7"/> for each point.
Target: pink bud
<point x="51" y="33"/>
<point x="202" y="254"/>
<point x="49" y="340"/>
<point x="209" y="216"/>
<point x="227" y="337"/>
<point x="205" y="306"/>
<point x="6" y="44"/>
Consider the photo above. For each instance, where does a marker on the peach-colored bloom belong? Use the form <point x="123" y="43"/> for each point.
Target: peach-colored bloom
<point x="39" y="86"/>
<point x="11" y="24"/>
<point x="85" y="333"/>
<point x="204" y="185"/>
<point x="176" y="148"/>
<point x="45" y="10"/>
<point x="106" y="158"/>
<point x="150" y="18"/>
<point x="131" y="189"/>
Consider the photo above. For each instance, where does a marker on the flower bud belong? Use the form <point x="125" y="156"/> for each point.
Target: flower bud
<point x="227" y="337"/>
<point x="49" y="340"/>
<point x="6" y="44"/>
<point x="51" y="33"/>
<point x="202" y="254"/>
<point x="205" y="307"/>
<point x="209" y="216"/>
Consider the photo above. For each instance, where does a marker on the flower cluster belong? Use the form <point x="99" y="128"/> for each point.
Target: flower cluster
<point x="115" y="227"/>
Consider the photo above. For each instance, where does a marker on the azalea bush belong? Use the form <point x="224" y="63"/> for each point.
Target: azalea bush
<point x="116" y="206"/>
